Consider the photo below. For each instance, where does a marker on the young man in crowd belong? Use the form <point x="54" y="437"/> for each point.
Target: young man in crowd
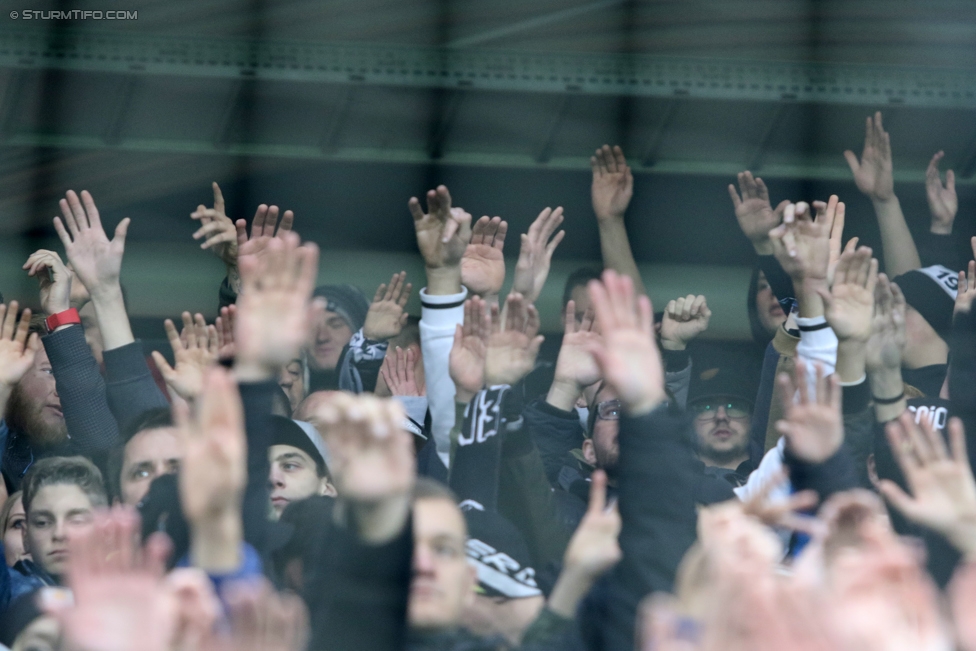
<point x="298" y="469"/>
<point x="61" y="495"/>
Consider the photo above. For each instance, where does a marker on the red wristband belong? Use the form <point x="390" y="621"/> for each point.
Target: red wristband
<point x="67" y="317"/>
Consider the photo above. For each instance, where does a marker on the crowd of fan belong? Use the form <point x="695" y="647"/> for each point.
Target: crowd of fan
<point x="318" y="470"/>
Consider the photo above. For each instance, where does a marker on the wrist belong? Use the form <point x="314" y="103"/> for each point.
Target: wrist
<point x="963" y="537"/>
<point x="940" y="228"/>
<point x="563" y="394"/>
<point x="462" y="395"/>
<point x="763" y="246"/>
<point x="673" y="344"/>
<point x="215" y="545"/>
<point x="106" y="292"/>
<point x="885" y="202"/>
<point x="645" y="405"/>
<point x="609" y="220"/>
<point x="850" y="360"/>
<point x="379" y="522"/>
<point x="443" y="280"/>
<point x="571" y="586"/>
<point x="246" y="370"/>
<point x="809" y="302"/>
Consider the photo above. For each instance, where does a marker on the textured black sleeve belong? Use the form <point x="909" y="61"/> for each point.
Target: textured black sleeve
<point x="131" y="388"/>
<point x="81" y="388"/>
<point x="359" y="602"/>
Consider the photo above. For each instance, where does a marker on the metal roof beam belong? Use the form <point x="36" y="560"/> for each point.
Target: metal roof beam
<point x="584" y="73"/>
<point x="422" y="157"/>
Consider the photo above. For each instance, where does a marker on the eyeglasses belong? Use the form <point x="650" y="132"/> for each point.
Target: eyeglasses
<point x="708" y="410"/>
<point x="608" y="410"/>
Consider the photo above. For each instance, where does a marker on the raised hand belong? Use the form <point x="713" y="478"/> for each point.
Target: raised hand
<point x="96" y="259"/>
<point x="225" y="332"/>
<point x="813" y="426"/>
<point x="272" y="321"/>
<point x="398" y="373"/>
<point x="943" y="491"/>
<point x="966" y="291"/>
<point x="754" y="212"/>
<point x="802" y="244"/>
<point x="120" y="600"/>
<point x="514" y="342"/>
<point x="613" y="183"/>
<point x="386" y="316"/>
<point x="684" y="319"/>
<point x="372" y="462"/>
<point x="575" y="365"/>
<point x="483" y="265"/>
<point x="264" y="229"/>
<point x="262" y="619"/>
<point x="943" y="202"/>
<point x="535" y="256"/>
<point x="467" y="360"/>
<point x="887" y="342"/>
<point x="219" y="231"/>
<point x="627" y="355"/>
<point x="213" y="472"/>
<point x="54" y="278"/>
<point x="17" y="349"/>
<point x="195" y="349"/>
<point x="873" y="172"/>
<point x="850" y="302"/>
<point x="443" y="232"/>
<point x="592" y="550"/>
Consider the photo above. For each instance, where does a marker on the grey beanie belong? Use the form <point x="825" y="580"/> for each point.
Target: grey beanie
<point x="348" y="301"/>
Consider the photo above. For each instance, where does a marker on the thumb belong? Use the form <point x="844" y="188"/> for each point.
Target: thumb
<point x="827" y="297"/>
<point x="852" y="161"/>
<point x="121" y="230"/>
<point x="164" y="368"/>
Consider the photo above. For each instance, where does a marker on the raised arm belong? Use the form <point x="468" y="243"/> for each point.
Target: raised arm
<point x="98" y="263"/>
<point x="483" y="264"/>
<point x="535" y="255"/>
<point x="443" y="233"/>
<point x="943" y="202"/>
<point x="17" y="350"/>
<point x="873" y="176"/>
<point x="229" y="240"/>
<point x="612" y="189"/>
<point x="79" y="383"/>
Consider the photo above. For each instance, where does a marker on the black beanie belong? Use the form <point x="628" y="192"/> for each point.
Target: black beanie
<point x="285" y="431"/>
<point x="499" y="553"/>
<point x="348" y="301"/>
<point x="932" y="292"/>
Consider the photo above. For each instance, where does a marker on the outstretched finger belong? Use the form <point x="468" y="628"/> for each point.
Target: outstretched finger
<point x="569" y="318"/>
<point x="172" y="336"/>
<point x="287" y="221"/>
<point x="257" y="224"/>
<point x="598" y="492"/>
<point x="94" y="221"/>
<point x="218" y="201"/>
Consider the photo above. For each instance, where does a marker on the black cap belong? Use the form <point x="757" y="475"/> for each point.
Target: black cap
<point x="285" y="431"/>
<point x="348" y="301"/>
<point x="719" y="382"/>
<point x="499" y="553"/>
<point x="932" y="292"/>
